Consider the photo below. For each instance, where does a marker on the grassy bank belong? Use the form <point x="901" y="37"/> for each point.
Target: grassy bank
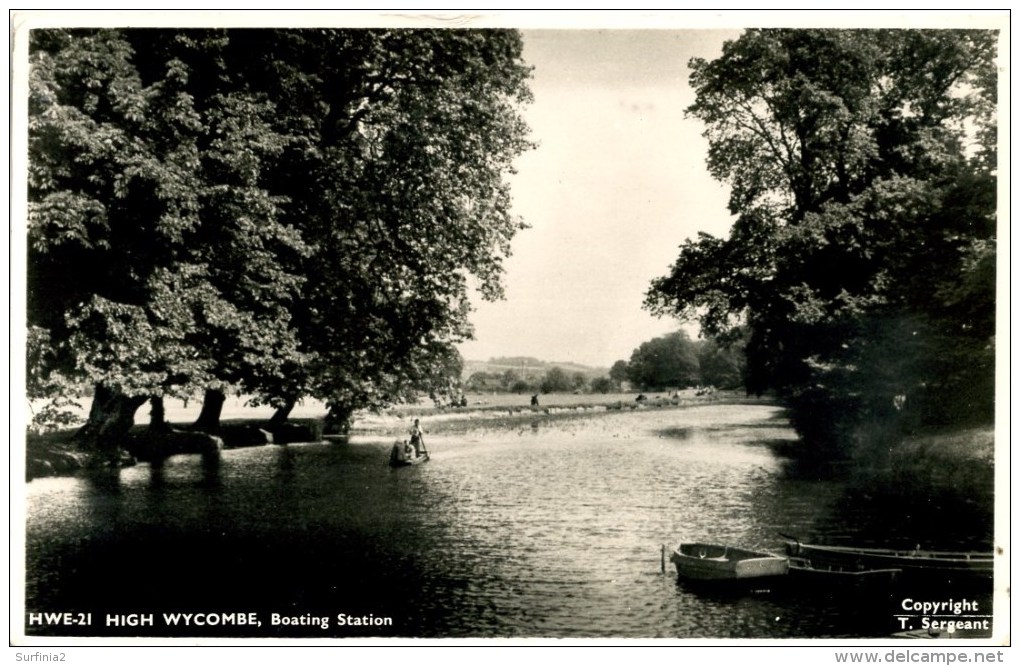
<point x="961" y="459"/>
<point x="508" y="409"/>
<point x="481" y="404"/>
<point x="972" y="444"/>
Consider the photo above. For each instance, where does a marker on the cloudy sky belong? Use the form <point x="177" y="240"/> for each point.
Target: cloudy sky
<point x="617" y="183"/>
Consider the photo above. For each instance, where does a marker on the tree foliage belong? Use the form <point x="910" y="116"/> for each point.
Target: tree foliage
<point x="283" y="213"/>
<point x="862" y="258"/>
<point x="670" y="361"/>
<point x="675" y="361"/>
<point x="719" y="366"/>
<point x="618" y="373"/>
<point x="556" y="380"/>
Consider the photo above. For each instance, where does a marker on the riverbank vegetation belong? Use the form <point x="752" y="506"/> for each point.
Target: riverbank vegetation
<point x="292" y="214"/>
<point x="276" y="213"/>
<point x="962" y="454"/>
<point x="58" y="452"/>
<point x="861" y="265"/>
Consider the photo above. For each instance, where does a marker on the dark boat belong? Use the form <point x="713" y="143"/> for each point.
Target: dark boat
<point x="816" y="576"/>
<point x="407" y="462"/>
<point x="703" y="562"/>
<point x="404" y="455"/>
<point x="914" y="562"/>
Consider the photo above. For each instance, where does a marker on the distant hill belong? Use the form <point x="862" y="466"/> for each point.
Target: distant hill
<point x="529" y="368"/>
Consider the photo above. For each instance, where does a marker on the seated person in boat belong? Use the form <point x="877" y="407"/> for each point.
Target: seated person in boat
<point x="401" y="451"/>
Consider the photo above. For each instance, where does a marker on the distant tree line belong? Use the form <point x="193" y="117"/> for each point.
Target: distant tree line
<point x="670" y="362"/>
<point x="275" y="213"/>
<point x="674" y="361"/>
<point x="554" y="380"/>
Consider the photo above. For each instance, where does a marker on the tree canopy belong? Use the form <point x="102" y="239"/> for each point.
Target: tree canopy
<point x="670" y="361"/>
<point x="861" y="263"/>
<point x="674" y="361"/>
<point x="280" y="213"/>
<point x="556" y="380"/>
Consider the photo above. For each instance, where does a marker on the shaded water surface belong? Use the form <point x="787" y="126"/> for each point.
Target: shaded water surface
<point x="549" y="529"/>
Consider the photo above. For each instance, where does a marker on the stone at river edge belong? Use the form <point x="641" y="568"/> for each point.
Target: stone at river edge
<point x="59" y="455"/>
<point x="156" y="445"/>
<point x="237" y="436"/>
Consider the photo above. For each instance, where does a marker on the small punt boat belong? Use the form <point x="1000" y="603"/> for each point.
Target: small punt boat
<point x="828" y="578"/>
<point x="407" y="462"/>
<point x="703" y="562"/>
<point x="913" y="563"/>
<point x="403" y="455"/>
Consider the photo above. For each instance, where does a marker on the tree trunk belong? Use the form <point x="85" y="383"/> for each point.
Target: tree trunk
<point x="157" y="417"/>
<point x="111" y="417"/>
<point x="283" y="412"/>
<point x="212" y="407"/>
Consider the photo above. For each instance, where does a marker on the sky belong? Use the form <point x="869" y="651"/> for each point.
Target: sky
<point x="617" y="183"/>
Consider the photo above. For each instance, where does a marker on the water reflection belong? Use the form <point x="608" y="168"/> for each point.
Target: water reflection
<point x="500" y="534"/>
<point x="210" y="463"/>
<point x="103" y="479"/>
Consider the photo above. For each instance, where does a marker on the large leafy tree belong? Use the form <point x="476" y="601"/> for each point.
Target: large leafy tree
<point x="861" y="166"/>
<point x="556" y="380"/>
<point x="283" y="213"/>
<point x="718" y="366"/>
<point x="670" y="361"/>
<point x="152" y="243"/>
<point x="408" y="204"/>
<point x="618" y="373"/>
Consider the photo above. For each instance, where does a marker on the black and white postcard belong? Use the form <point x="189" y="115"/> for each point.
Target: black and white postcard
<point x="510" y="328"/>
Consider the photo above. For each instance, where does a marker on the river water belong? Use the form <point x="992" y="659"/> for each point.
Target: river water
<point x="548" y="528"/>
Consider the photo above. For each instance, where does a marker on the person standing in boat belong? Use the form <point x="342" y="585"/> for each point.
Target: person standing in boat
<point x="416" y="438"/>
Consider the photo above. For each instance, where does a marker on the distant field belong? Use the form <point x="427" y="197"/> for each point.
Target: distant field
<point x="556" y="399"/>
<point x="505" y="401"/>
<point x="511" y="408"/>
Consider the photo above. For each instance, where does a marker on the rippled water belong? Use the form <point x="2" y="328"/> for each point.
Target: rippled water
<point x="547" y="529"/>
